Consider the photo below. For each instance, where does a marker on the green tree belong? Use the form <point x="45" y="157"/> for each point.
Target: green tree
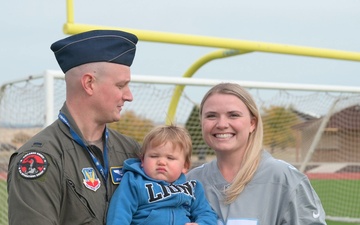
<point x="278" y="132"/>
<point x="194" y="127"/>
<point x="132" y="125"/>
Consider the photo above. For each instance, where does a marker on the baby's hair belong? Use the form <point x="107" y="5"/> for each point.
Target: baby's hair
<point x="176" y="135"/>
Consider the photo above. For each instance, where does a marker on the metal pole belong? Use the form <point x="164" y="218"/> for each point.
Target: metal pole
<point x="318" y="135"/>
<point x="49" y="98"/>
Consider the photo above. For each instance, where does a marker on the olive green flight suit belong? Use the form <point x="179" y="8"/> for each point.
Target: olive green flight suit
<point x="64" y="187"/>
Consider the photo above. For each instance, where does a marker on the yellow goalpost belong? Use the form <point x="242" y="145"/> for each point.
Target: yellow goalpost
<point x="228" y="47"/>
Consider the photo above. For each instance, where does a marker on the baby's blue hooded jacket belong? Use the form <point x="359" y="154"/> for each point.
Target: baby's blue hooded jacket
<point x="142" y="200"/>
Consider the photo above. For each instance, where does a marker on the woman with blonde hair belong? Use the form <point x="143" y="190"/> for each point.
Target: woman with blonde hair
<point x="245" y="184"/>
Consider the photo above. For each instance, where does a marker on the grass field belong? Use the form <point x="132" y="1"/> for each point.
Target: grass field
<point x="339" y="197"/>
<point x="340" y="223"/>
<point x="3" y="203"/>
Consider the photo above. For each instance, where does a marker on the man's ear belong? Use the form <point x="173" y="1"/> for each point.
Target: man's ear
<point x="87" y="82"/>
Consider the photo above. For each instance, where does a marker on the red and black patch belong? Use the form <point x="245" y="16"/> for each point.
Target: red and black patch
<point x="32" y="165"/>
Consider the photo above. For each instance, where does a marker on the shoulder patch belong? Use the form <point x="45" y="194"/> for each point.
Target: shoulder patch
<point x="32" y="165"/>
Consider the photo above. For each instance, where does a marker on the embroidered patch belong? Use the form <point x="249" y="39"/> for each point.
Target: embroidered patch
<point x="37" y="144"/>
<point x="116" y="174"/>
<point x="32" y="165"/>
<point x="91" y="180"/>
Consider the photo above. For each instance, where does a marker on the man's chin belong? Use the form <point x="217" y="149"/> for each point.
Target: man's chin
<point x="114" y="120"/>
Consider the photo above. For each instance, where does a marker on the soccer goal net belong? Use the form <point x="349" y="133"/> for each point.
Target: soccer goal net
<point x="315" y="128"/>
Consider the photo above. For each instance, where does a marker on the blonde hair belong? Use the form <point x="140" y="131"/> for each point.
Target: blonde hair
<point x="177" y="136"/>
<point x="253" y="149"/>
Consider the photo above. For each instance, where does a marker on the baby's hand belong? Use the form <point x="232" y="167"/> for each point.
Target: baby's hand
<point x="191" y="224"/>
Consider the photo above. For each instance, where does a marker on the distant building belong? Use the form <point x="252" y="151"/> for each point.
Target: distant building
<point x="340" y="141"/>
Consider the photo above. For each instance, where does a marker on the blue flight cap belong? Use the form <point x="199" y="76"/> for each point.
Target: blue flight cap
<point x="95" y="46"/>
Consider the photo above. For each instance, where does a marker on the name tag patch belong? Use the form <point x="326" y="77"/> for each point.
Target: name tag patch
<point x="116" y="174"/>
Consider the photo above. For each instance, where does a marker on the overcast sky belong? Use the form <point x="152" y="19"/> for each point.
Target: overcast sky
<point x="30" y="27"/>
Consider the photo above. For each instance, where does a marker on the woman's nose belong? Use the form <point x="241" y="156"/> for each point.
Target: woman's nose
<point x="222" y="123"/>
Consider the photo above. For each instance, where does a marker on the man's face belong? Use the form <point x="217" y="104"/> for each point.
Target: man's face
<point x="112" y="91"/>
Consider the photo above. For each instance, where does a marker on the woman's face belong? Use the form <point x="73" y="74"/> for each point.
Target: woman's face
<point x="226" y="123"/>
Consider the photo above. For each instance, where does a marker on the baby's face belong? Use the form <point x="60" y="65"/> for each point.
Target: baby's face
<point x="165" y="162"/>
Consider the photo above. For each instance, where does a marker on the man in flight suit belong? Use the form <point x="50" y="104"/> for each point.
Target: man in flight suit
<point x="66" y="174"/>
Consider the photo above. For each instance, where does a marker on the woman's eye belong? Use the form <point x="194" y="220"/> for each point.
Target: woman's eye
<point x="210" y="116"/>
<point x="235" y="114"/>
